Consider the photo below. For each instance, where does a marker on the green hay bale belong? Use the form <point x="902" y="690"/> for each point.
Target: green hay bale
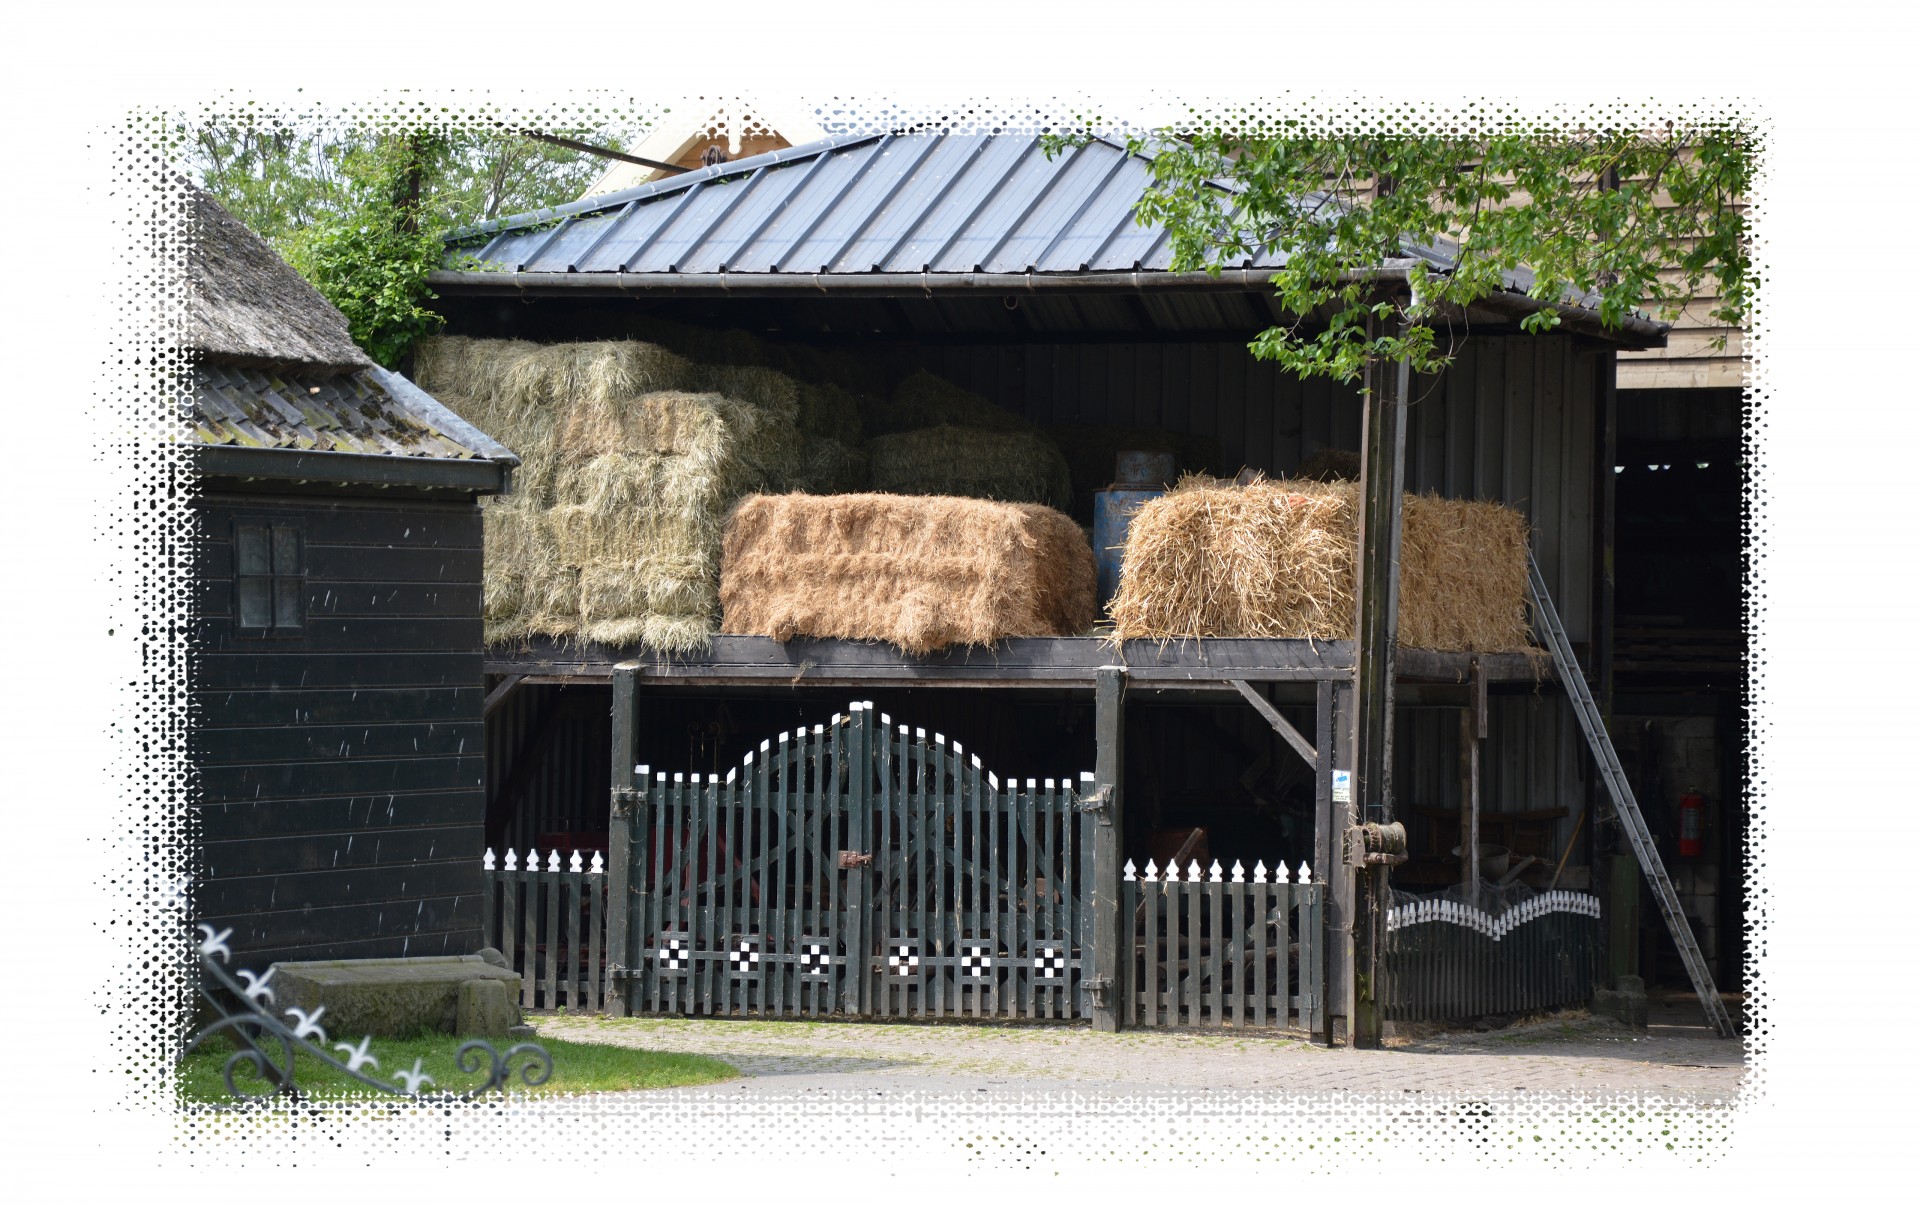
<point x="924" y="400"/>
<point x="1006" y="466"/>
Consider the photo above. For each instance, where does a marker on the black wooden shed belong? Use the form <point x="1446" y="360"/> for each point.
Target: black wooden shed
<point x="1025" y="278"/>
<point x="335" y="666"/>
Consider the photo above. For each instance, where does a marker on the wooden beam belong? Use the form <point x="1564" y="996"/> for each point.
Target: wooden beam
<point x="1287" y="731"/>
<point x="1326" y="861"/>
<point x="498" y="694"/>
<point x="621" y="947"/>
<point x="1383" y="444"/>
<point x="1110" y="936"/>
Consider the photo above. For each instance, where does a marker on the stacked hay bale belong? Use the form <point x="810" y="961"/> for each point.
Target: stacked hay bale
<point x="631" y="457"/>
<point x="1279" y="559"/>
<point x="934" y="437"/>
<point x="918" y="573"/>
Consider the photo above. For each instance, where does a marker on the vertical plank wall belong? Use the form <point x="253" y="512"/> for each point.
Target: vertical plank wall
<point x="339" y="771"/>
<point x="1511" y="421"/>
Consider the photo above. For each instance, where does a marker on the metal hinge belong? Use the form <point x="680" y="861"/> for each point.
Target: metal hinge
<point x="1100" y="803"/>
<point x="1098" y="988"/>
<point x="624" y="798"/>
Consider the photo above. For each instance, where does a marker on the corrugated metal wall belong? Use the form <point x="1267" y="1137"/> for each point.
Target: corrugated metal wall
<point x="1512" y="421"/>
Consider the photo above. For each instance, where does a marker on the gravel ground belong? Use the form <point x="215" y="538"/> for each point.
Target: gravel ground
<point x="1573" y="1054"/>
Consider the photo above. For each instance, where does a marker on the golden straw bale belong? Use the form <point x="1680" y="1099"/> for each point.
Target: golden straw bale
<point x="918" y="573"/>
<point x="1279" y="559"/>
<point x="1006" y="466"/>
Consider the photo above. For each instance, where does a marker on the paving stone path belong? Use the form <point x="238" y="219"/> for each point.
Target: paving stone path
<point x="1577" y="1056"/>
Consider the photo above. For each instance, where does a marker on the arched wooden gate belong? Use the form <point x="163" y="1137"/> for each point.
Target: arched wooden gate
<point x="857" y="868"/>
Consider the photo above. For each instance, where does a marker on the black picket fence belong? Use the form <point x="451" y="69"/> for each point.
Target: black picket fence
<point x="551" y="924"/>
<point x="1447" y="959"/>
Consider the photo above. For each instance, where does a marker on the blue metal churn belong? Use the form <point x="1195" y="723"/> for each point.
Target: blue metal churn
<point x="1139" y="477"/>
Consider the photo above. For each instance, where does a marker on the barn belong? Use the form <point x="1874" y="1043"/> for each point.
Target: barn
<point x="1021" y="280"/>
<point x="335" y="660"/>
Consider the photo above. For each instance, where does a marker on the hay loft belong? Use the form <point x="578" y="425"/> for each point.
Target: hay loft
<point x="632" y="457"/>
<point x="1279" y="558"/>
<point x="919" y="573"/>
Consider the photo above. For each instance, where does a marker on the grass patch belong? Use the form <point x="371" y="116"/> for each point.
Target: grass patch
<point x="577" y="1067"/>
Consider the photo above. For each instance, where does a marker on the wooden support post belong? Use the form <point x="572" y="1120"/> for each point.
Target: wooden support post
<point x="621" y="946"/>
<point x="1473" y="730"/>
<point x="1112" y="933"/>
<point x="1328" y="825"/>
<point x="1383" y="439"/>
<point x="1342" y="814"/>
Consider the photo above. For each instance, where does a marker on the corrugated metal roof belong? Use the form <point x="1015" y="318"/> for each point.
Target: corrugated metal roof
<point x="366" y="413"/>
<point x="927" y="202"/>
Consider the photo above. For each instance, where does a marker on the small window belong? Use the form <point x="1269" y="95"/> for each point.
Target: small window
<point x="269" y="578"/>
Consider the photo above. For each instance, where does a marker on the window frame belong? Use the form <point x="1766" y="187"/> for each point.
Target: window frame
<point x="282" y="546"/>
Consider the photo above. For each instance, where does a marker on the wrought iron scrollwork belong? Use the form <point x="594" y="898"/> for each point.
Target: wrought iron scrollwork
<point x="268" y="1045"/>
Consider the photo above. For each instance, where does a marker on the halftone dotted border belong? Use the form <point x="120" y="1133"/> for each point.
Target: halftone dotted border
<point x="146" y="533"/>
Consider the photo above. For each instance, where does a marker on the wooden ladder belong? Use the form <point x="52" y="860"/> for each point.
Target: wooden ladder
<point x="1631" y="820"/>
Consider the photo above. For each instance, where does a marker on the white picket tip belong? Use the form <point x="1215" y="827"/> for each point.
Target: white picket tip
<point x="1153" y="874"/>
<point x="1280" y="873"/>
<point x="596" y="867"/>
<point x="553" y="861"/>
<point x="1126" y="872"/>
<point x="513" y="860"/>
<point x="1306" y="873"/>
<point x="1193" y="871"/>
<point x="486" y="863"/>
<point x="1213" y="872"/>
<point x="1239" y="874"/>
<point x="1260" y="871"/>
<point x="573" y="863"/>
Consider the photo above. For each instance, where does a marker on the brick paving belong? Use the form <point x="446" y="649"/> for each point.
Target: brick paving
<point x="1571" y="1056"/>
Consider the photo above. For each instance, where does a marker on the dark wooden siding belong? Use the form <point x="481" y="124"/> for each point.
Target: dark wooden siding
<point x="340" y="770"/>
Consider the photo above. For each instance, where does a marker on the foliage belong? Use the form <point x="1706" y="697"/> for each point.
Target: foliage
<point x="577" y="1067"/>
<point x="360" y="212"/>
<point x="1626" y="217"/>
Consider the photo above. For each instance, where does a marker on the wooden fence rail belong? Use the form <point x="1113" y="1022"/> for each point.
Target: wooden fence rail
<point x="1219" y="951"/>
<point x="551" y="925"/>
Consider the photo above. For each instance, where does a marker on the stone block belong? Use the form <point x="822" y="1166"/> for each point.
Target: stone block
<point x="385" y="997"/>
<point x="485" y="1009"/>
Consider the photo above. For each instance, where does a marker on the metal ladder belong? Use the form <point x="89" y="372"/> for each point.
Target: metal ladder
<point x="1631" y="820"/>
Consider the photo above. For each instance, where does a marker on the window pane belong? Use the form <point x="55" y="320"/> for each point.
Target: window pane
<point x="286" y="549"/>
<point x="286" y="601"/>
<point x="253" y="602"/>
<point x="250" y="549"/>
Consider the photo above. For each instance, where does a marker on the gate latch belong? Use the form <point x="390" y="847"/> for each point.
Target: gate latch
<point x="854" y="860"/>
<point x="1099" y="803"/>
<point x="1377" y="845"/>
<point x="1098" y="989"/>
<point x="624" y="798"/>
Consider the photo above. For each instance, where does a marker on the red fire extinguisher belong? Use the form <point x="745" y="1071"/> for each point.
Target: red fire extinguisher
<point x="1693" y="824"/>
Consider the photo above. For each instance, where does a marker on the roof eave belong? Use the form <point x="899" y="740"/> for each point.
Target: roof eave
<point x="1636" y="332"/>
<point x="477" y="476"/>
